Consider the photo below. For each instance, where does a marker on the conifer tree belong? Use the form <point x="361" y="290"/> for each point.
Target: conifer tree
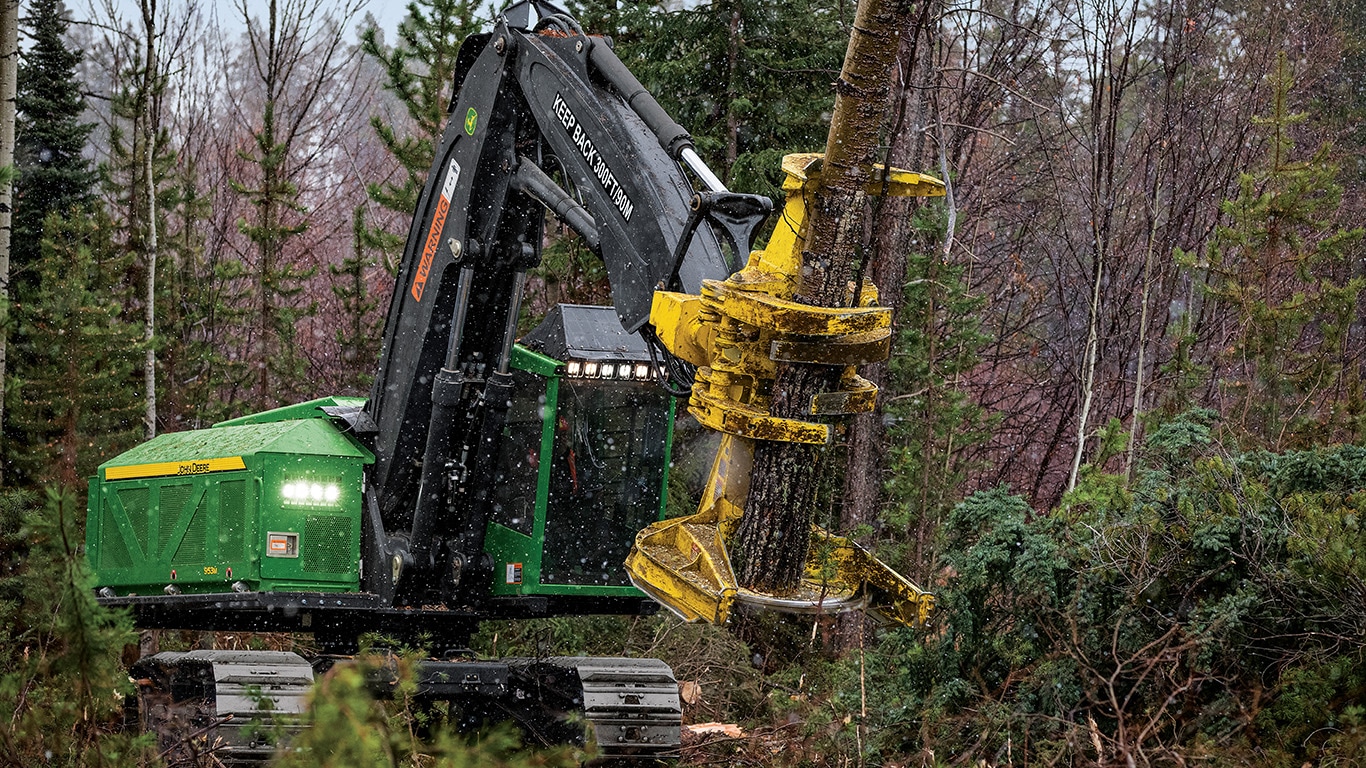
<point x="933" y="423"/>
<point x="751" y="80"/>
<point x="276" y="370"/>
<point x="357" y="334"/>
<point x="278" y="283"/>
<point x="1279" y="266"/>
<point x="347" y="727"/>
<point x="53" y="174"/>
<point x="63" y="678"/>
<point x="76" y="405"/>
<point x="50" y="138"/>
<point x="419" y="71"/>
<point x="197" y="300"/>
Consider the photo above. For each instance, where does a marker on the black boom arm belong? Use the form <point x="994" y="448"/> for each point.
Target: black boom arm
<point x="545" y="117"/>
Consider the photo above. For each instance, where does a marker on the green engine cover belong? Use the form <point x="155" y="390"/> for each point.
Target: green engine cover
<point x="262" y="505"/>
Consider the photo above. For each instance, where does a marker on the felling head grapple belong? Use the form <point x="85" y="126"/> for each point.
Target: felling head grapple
<point x="735" y="332"/>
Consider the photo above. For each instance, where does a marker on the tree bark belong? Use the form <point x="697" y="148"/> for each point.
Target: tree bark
<point x="150" y="83"/>
<point x="772" y="540"/>
<point x="9" y="71"/>
<point x="269" y="246"/>
<point x="1136" y="411"/>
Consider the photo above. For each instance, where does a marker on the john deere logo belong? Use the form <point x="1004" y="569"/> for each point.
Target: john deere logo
<point x="471" y="120"/>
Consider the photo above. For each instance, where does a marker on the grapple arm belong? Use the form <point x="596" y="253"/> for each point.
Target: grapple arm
<point x="736" y="331"/>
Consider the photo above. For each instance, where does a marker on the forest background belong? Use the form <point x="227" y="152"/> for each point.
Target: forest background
<point x="1118" y="435"/>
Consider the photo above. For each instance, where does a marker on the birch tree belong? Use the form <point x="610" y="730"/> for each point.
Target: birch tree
<point x="9" y="65"/>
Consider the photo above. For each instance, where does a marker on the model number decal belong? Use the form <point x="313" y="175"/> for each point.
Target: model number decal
<point x="433" y="242"/>
<point x="596" y="164"/>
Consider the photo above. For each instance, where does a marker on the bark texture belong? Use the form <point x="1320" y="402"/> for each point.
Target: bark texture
<point x="773" y="536"/>
<point x="147" y="126"/>
<point x="9" y="69"/>
<point x="891" y="236"/>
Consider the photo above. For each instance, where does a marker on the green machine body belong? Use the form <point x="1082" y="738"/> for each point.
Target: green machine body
<point x="255" y="504"/>
<point x="274" y="501"/>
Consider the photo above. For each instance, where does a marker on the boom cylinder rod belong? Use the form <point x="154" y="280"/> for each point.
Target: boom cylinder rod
<point x="446" y="392"/>
<point x="514" y="314"/>
<point x="462" y="306"/>
<point x="531" y="180"/>
<point x="690" y="159"/>
<point x="673" y="137"/>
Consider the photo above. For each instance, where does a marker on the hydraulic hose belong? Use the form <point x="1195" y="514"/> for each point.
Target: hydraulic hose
<point x="673" y="137"/>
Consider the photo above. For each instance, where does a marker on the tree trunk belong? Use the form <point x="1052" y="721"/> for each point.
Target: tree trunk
<point x="1137" y="410"/>
<point x="149" y="137"/>
<point x="268" y="206"/>
<point x="891" y="239"/>
<point x="9" y="70"/>
<point x="772" y="540"/>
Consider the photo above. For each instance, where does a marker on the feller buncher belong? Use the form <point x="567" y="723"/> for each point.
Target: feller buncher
<point x="488" y="477"/>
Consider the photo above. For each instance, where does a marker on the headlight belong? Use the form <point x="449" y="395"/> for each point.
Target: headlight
<point x="300" y="493"/>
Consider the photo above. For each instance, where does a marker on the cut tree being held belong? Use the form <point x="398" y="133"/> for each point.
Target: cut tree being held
<point x="772" y="540"/>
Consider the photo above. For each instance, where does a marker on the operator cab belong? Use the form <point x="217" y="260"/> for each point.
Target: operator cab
<point x="584" y="459"/>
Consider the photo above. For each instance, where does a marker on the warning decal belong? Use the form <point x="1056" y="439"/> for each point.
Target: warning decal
<point x="443" y="208"/>
<point x="615" y="192"/>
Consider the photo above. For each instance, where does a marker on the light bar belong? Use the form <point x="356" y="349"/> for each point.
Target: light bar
<point x="310" y="494"/>
<point x="624" y="370"/>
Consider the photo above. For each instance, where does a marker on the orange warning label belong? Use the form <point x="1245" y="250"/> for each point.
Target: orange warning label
<point x="433" y="242"/>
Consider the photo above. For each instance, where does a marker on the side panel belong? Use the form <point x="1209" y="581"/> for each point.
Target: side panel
<point x="191" y="532"/>
<point x="309" y="537"/>
<point x="205" y="533"/>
